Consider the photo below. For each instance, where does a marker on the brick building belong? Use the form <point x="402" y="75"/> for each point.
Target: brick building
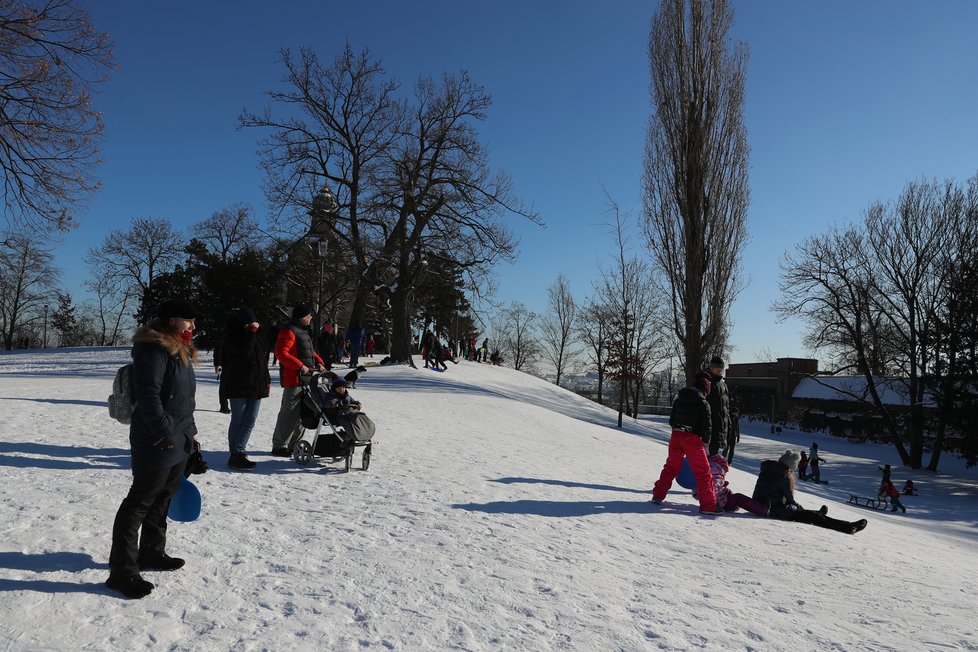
<point x="765" y="388"/>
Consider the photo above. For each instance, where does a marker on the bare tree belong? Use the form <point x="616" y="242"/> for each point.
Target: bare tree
<point x="593" y="331"/>
<point x="874" y="295"/>
<point x="337" y="122"/>
<point x="27" y="284"/>
<point x="696" y="166"/>
<point x="441" y="191"/>
<point x="138" y="255"/>
<point x="635" y="336"/>
<point x="51" y="57"/>
<point x="557" y="326"/>
<point x="229" y="230"/>
<point x="113" y="303"/>
<point x="518" y="336"/>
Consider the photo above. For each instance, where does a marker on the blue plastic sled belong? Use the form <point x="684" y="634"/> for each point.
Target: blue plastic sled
<point x="185" y="503"/>
<point x="686" y="479"/>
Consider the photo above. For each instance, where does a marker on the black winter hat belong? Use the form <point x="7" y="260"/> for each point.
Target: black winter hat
<point x="717" y="361"/>
<point x="300" y="310"/>
<point x="176" y="308"/>
<point x="246" y="315"/>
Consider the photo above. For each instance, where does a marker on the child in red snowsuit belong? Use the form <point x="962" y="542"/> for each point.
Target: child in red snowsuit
<point x="894" y="495"/>
<point x="691" y="431"/>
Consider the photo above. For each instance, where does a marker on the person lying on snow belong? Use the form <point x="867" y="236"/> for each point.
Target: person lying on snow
<point x="775" y="489"/>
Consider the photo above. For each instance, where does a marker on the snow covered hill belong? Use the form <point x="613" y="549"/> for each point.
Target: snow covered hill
<point x="499" y="513"/>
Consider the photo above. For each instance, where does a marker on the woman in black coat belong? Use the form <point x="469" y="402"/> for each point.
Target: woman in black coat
<point x="775" y="489"/>
<point x="245" y="380"/>
<point x="161" y="438"/>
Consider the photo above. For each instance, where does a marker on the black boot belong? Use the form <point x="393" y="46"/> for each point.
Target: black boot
<point x="132" y="587"/>
<point x="240" y="461"/>
<point x="164" y="563"/>
<point x="858" y="526"/>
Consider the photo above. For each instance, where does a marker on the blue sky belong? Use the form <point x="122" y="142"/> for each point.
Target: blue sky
<point x="846" y="101"/>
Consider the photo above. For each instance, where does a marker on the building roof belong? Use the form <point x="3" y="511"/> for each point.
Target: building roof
<point x="893" y="391"/>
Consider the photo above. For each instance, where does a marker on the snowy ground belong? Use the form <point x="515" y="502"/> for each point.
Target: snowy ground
<point x="499" y="513"/>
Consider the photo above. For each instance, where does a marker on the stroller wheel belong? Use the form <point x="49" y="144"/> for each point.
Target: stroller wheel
<point x="302" y="452"/>
<point x="366" y="457"/>
<point x="349" y="458"/>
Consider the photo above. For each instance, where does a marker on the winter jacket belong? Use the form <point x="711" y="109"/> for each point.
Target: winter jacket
<point x="773" y="490"/>
<point x="890" y="490"/>
<point x="164" y="387"/>
<point x="245" y="373"/>
<point x="327" y="343"/>
<point x="355" y="336"/>
<point x="719" y="400"/>
<point x="334" y="399"/>
<point x="691" y="413"/>
<point x="719" y="467"/>
<point x="293" y="349"/>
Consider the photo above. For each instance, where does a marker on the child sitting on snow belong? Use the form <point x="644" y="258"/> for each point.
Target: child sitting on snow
<point x="727" y="500"/>
<point x="909" y="489"/>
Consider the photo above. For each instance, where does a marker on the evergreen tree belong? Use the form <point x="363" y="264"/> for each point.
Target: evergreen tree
<point x="64" y="321"/>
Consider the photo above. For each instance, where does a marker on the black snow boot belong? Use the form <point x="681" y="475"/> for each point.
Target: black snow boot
<point x="164" y="563"/>
<point x="240" y="461"/>
<point x="858" y="526"/>
<point x="132" y="587"/>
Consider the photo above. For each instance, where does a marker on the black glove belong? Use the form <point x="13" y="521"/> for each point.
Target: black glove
<point x="196" y="464"/>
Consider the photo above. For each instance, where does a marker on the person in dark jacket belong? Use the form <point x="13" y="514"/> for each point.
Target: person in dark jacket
<point x="355" y="337"/>
<point x="733" y="434"/>
<point x="246" y="382"/>
<point x="327" y="345"/>
<point x="296" y="357"/>
<point x="719" y="400"/>
<point x="161" y="438"/>
<point x="691" y="424"/>
<point x="775" y="489"/>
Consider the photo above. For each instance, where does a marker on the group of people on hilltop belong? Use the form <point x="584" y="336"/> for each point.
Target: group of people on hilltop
<point x="701" y="426"/>
<point x="332" y="345"/>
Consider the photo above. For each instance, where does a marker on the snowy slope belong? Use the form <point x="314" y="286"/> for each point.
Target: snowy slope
<point x="499" y="512"/>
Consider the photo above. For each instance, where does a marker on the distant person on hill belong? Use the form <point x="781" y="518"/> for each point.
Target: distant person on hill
<point x="691" y="429"/>
<point x="355" y="337"/>
<point x="775" y="489"/>
<point x="886" y="471"/>
<point x="803" y="466"/>
<point x="161" y="439"/>
<point x="326" y="344"/>
<point x="909" y="489"/>
<point x="485" y="349"/>
<point x="813" y="459"/>
<point x="894" y="495"/>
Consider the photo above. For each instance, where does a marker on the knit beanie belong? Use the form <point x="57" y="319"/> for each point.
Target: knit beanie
<point x="246" y="315"/>
<point x="790" y="459"/>
<point x="703" y="383"/>
<point x="176" y="308"/>
<point x="300" y="310"/>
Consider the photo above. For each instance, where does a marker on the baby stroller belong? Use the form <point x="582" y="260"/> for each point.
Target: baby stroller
<point x="331" y="433"/>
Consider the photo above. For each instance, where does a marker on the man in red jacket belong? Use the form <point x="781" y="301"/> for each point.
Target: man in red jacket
<point x="296" y="355"/>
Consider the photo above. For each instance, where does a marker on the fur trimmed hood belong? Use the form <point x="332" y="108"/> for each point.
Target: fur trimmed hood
<point x="169" y="342"/>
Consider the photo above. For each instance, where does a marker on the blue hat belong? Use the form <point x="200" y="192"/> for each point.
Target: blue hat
<point x="339" y="382"/>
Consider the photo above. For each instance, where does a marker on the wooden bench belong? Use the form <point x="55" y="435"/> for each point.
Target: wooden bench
<point x="879" y="502"/>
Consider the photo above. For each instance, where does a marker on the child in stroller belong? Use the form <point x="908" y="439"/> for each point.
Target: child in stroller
<point x="338" y="412"/>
